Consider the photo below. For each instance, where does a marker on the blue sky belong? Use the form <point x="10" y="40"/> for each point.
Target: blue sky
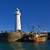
<point x="33" y="11"/>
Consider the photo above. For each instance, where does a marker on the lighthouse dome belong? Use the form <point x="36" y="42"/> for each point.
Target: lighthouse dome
<point x="17" y="11"/>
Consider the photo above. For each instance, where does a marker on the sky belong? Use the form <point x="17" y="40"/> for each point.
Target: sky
<point x="32" y="12"/>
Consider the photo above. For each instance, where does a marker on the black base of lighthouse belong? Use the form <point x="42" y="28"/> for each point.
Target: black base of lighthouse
<point x="19" y="30"/>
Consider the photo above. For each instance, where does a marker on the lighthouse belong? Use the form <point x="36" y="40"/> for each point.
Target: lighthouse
<point x="17" y="20"/>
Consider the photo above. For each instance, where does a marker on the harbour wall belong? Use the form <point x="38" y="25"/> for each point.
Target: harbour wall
<point x="15" y="36"/>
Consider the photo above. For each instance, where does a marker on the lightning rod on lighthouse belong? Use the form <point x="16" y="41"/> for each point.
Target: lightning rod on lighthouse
<point x="17" y="20"/>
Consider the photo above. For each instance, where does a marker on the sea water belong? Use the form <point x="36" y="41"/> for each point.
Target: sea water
<point x="25" y="45"/>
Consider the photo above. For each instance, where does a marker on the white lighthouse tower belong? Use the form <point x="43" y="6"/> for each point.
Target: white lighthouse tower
<point x="17" y="20"/>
